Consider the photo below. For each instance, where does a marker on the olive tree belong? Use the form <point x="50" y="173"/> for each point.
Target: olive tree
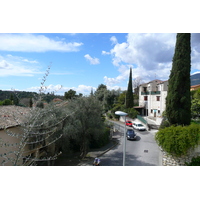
<point x="85" y="123"/>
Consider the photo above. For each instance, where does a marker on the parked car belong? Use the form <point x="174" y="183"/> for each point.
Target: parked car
<point x="139" y="126"/>
<point x="129" y="123"/>
<point x="130" y="134"/>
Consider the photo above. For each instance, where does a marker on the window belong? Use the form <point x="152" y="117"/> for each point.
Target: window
<point x="157" y="98"/>
<point x="144" y="89"/>
<point x="145" y="98"/>
<point x="158" y="111"/>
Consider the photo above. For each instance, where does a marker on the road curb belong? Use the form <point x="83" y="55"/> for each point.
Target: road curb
<point x="116" y="143"/>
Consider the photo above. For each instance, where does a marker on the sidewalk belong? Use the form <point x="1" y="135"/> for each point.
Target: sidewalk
<point x="91" y="155"/>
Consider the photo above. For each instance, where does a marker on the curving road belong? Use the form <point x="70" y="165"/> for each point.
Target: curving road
<point x="143" y="151"/>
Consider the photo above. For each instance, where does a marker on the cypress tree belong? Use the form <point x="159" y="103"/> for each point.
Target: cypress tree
<point x="178" y="101"/>
<point x="129" y="94"/>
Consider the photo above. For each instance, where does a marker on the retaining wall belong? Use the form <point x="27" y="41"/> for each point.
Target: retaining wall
<point x="169" y="160"/>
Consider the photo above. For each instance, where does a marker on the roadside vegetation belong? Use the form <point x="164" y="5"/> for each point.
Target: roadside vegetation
<point x="178" y="140"/>
<point x="180" y="130"/>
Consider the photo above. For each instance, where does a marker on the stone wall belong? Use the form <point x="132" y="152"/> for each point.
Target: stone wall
<point x="169" y="160"/>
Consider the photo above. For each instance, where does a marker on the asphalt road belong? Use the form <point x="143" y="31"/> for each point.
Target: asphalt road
<point x="143" y="151"/>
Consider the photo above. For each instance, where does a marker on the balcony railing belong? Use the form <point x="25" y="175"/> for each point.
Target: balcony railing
<point x="152" y="93"/>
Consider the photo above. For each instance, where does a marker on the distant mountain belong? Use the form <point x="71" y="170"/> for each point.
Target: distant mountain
<point x="195" y="79"/>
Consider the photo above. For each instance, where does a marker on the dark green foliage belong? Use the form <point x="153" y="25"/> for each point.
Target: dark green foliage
<point x="129" y="94"/>
<point x="177" y="140"/>
<point x="30" y="103"/>
<point x="85" y="122"/>
<point x="100" y="92"/>
<point x="70" y="94"/>
<point x="20" y="94"/>
<point x="178" y="101"/>
<point x="40" y="104"/>
<point x="6" y="102"/>
<point x="195" y="108"/>
<point x="194" y="162"/>
<point x="103" y="139"/>
<point x="107" y="97"/>
<point x="132" y="113"/>
<point x="165" y="123"/>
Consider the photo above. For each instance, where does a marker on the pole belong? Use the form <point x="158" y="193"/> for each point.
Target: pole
<point x="120" y="113"/>
<point x="124" y="152"/>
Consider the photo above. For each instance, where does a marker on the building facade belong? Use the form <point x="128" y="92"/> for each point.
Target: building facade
<point x="152" y="98"/>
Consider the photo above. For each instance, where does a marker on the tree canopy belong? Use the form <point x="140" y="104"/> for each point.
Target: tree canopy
<point x="129" y="94"/>
<point x="178" y="102"/>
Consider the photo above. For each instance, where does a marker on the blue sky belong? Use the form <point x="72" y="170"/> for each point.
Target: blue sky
<point x="83" y="61"/>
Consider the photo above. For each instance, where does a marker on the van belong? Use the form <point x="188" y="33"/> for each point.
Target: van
<point x="139" y="126"/>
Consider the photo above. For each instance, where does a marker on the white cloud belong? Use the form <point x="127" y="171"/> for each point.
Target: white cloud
<point x="4" y="65"/>
<point x="20" y="59"/>
<point x="35" y="43"/>
<point x="17" y="66"/>
<point x="149" y="55"/>
<point x="124" y="74"/>
<point x="105" y="53"/>
<point x="93" y="61"/>
<point x="113" y="39"/>
<point x="84" y="89"/>
<point x="59" y="89"/>
<point x="29" y="61"/>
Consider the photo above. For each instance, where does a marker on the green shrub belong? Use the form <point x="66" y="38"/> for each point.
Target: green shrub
<point x="109" y="115"/>
<point x="194" y="162"/>
<point x="165" y="123"/>
<point x="103" y="139"/>
<point x="40" y="104"/>
<point x="178" y="140"/>
<point x="6" y="102"/>
<point x="132" y="113"/>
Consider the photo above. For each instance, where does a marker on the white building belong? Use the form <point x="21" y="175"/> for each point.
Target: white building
<point x="152" y="99"/>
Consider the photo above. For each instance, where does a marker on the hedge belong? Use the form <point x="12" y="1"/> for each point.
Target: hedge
<point x="177" y="140"/>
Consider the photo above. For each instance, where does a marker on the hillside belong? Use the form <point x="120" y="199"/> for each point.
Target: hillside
<point x="195" y="79"/>
<point x="20" y="94"/>
<point x="24" y="94"/>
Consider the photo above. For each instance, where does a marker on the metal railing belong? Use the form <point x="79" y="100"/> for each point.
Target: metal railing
<point x="151" y="92"/>
<point x="141" y="119"/>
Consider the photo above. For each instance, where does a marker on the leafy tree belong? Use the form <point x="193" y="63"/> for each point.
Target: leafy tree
<point x="7" y="102"/>
<point x="100" y="92"/>
<point x="85" y="123"/>
<point x="129" y="94"/>
<point x="107" y="97"/>
<point x="30" y="103"/>
<point x="70" y="94"/>
<point x="102" y="87"/>
<point x="40" y="104"/>
<point x="122" y="97"/>
<point x="195" y="108"/>
<point x="12" y="98"/>
<point x="178" y="103"/>
<point x="196" y="94"/>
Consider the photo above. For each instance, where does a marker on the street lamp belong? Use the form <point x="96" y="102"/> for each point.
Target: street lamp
<point x="120" y="113"/>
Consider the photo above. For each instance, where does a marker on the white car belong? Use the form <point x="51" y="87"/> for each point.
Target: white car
<point x="139" y="126"/>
